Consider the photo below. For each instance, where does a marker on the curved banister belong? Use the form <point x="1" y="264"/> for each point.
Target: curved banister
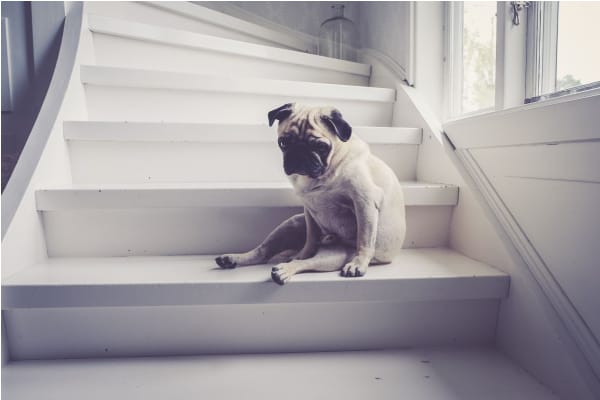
<point x="46" y="118"/>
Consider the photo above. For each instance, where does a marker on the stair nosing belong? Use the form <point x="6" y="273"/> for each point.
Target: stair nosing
<point x="193" y="40"/>
<point x="153" y="79"/>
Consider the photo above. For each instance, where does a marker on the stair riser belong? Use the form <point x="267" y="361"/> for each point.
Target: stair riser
<point x="185" y="231"/>
<point x="149" y="14"/>
<point x="160" y="331"/>
<point x="139" y="162"/>
<point x="134" y="104"/>
<point x="129" y="53"/>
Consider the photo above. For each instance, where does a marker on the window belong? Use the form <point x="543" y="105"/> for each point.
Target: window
<point x="562" y="50"/>
<point x="578" y="52"/>
<point x="471" y="57"/>
<point x="479" y="56"/>
<point x="505" y="54"/>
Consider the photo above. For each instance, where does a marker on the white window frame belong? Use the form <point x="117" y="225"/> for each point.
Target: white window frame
<point x="453" y="66"/>
<point x="525" y="58"/>
<point x="453" y="63"/>
<point x="542" y="49"/>
<point x="542" y="44"/>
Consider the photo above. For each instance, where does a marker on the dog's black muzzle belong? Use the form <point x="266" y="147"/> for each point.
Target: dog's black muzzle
<point x="302" y="161"/>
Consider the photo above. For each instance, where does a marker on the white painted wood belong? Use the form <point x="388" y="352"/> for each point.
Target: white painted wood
<point x="529" y="281"/>
<point x="562" y="120"/>
<point x="141" y="95"/>
<point x="575" y="162"/>
<point x="441" y="373"/>
<point x="120" y="131"/>
<point x="42" y="128"/>
<point x="44" y="159"/>
<point x="554" y="199"/>
<point x="208" y="218"/>
<point x="531" y="326"/>
<point x="195" y="18"/>
<point x="148" y="79"/>
<point x="235" y="329"/>
<point x="200" y="230"/>
<point x="7" y="96"/>
<point x="118" y="152"/>
<point x="213" y="194"/>
<point x="546" y="195"/>
<point x="511" y="58"/>
<point x="415" y="275"/>
<point x="128" y="44"/>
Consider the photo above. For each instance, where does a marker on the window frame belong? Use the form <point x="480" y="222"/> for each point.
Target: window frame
<point x="525" y="58"/>
<point x="453" y="64"/>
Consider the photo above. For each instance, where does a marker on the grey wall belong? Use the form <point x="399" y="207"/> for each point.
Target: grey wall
<point x="33" y="31"/>
<point x="301" y="16"/>
<point x="383" y="26"/>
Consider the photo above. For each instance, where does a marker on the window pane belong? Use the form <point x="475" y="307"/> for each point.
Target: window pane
<point x="578" y="53"/>
<point x="479" y="55"/>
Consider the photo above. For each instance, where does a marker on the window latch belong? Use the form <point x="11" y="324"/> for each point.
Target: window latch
<point x="518" y="6"/>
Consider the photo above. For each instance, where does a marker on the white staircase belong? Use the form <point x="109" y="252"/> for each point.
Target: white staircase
<point x="174" y="164"/>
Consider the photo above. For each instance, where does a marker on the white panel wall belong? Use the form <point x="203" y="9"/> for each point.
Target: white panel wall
<point x="553" y="191"/>
<point x="538" y="166"/>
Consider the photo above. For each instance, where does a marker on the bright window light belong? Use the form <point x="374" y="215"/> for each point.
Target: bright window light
<point x="479" y="56"/>
<point x="578" y="53"/>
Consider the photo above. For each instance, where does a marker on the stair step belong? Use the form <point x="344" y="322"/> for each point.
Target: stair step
<point x="129" y="44"/>
<point x="212" y="194"/>
<point x="123" y="131"/>
<point x="195" y="18"/>
<point x="150" y="306"/>
<point x="103" y="152"/>
<point x="415" y="275"/>
<point x="201" y="218"/>
<point x="124" y="94"/>
<point x="423" y="373"/>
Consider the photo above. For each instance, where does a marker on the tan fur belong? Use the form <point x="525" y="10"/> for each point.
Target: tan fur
<point x="357" y="205"/>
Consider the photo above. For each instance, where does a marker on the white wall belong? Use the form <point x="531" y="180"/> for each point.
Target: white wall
<point x="539" y="168"/>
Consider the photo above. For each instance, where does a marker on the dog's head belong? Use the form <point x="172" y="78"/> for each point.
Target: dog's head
<point x="308" y="137"/>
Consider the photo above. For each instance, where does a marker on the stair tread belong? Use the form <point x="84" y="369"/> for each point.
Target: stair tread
<point x="214" y="132"/>
<point x="152" y="79"/>
<point x="466" y="373"/>
<point x="209" y="194"/>
<point x="415" y="275"/>
<point x="181" y="38"/>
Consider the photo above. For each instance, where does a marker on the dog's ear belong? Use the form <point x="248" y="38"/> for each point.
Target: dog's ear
<point x="280" y="113"/>
<point x="342" y="129"/>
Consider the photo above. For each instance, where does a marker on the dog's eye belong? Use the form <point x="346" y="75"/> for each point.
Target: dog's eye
<point x="321" y="147"/>
<point x="283" y="142"/>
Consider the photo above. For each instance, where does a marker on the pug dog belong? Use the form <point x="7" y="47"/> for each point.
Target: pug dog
<point x="354" y="213"/>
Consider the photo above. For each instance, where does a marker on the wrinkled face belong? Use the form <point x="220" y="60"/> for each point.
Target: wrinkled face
<point x="305" y="151"/>
<point x="307" y="137"/>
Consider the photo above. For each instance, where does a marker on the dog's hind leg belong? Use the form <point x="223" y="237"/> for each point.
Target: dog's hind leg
<point x="289" y="235"/>
<point x="328" y="258"/>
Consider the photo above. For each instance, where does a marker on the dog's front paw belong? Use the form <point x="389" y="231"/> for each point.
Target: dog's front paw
<point x="227" y="261"/>
<point x="356" y="267"/>
<point x="282" y="273"/>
